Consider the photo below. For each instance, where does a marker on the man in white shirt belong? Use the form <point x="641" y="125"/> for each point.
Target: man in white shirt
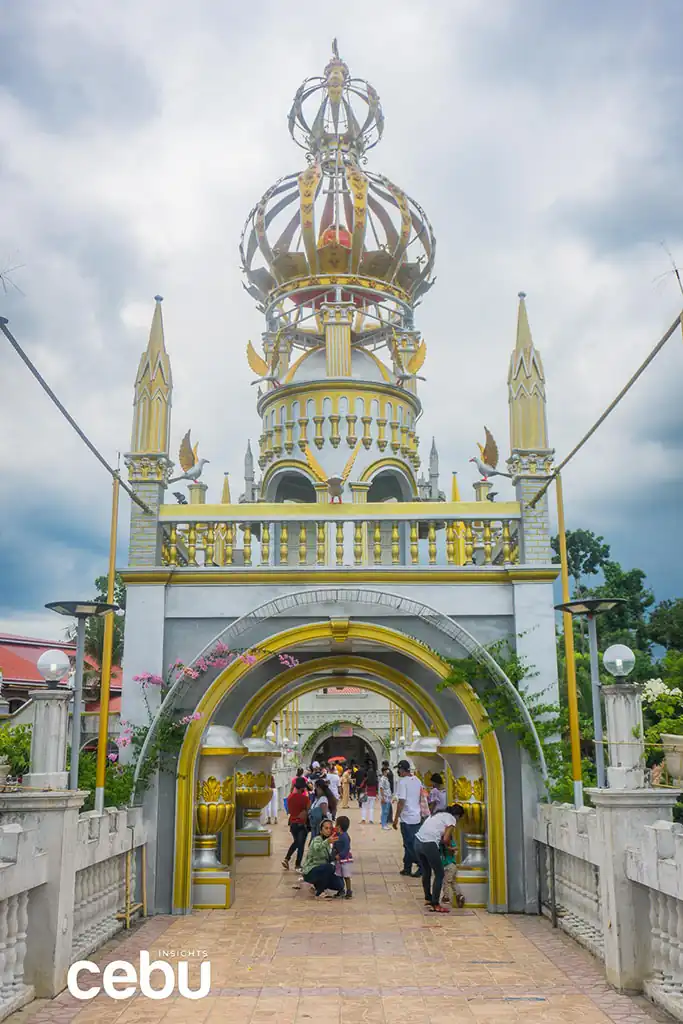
<point x="332" y="780"/>
<point x="408" y="814"/>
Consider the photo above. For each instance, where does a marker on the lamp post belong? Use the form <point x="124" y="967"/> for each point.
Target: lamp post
<point x="79" y="610"/>
<point x="591" y="607"/>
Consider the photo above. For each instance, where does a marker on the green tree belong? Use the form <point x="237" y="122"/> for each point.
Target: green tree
<point x="586" y="555"/>
<point x="666" y="624"/>
<point x="627" y="623"/>
<point x="94" y="627"/>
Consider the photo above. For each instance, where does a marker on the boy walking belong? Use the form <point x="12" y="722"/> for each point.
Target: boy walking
<point x="450" y="867"/>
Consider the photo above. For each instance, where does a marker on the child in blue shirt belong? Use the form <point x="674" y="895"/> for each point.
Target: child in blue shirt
<point x="341" y="851"/>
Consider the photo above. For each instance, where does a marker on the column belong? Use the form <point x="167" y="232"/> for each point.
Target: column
<point x="337" y="319"/>
<point x="49" y="737"/>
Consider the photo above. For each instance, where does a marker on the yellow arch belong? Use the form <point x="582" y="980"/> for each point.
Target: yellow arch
<point x="389" y="463"/>
<point x="356" y="664"/>
<point x="296" y="465"/>
<point x="391" y="640"/>
<point x="314" y="684"/>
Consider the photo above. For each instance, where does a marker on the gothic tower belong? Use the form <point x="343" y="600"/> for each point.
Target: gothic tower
<point x="530" y="460"/>
<point x="148" y="461"/>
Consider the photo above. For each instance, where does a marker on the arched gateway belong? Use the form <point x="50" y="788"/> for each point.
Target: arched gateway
<point x="342" y="557"/>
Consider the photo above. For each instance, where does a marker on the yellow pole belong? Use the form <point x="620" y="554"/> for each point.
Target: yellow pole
<point x="572" y="699"/>
<point x="103" y="737"/>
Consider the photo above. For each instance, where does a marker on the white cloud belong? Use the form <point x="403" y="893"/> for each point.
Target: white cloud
<point x="122" y="198"/>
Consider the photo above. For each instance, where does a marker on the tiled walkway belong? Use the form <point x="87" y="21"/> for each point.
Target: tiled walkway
<point x="281" y="957"/>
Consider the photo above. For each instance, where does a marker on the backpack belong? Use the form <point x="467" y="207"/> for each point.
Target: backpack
<point x="424" y="803"/>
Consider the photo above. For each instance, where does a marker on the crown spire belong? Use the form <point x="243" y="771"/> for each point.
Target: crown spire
<point x="526" y="390"/>
<point x="153" y="390"/>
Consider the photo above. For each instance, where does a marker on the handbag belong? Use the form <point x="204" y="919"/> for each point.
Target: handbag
<point x="424" y="803"/>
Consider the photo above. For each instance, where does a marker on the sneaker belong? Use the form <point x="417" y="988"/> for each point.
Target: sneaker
<point x="406" y="874"/>
<point x="416" y="874"/>
<point x="285" y="865"/>
<point x="348" y="895"/>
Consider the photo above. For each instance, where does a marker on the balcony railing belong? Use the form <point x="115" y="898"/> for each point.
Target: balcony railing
<point x="340" y="535"/>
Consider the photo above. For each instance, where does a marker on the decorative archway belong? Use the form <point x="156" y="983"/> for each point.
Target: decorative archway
<point x="386" y="639"/>
<point x="302" y="599"/>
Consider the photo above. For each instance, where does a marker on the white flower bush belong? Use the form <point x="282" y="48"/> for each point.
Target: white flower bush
<point x="653" y="689"/>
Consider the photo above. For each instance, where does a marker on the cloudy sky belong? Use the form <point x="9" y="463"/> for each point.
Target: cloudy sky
<point x="543" y="138"/>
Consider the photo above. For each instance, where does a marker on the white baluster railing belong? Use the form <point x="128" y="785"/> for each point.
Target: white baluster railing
<point x="14" y="993"/>
<point x="577" y="895"/>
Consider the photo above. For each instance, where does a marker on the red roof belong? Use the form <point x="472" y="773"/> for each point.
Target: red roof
<point x="19" y="658"/>
<point x="114" y="705"/>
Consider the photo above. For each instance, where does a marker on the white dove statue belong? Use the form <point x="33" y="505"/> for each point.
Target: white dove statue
<point x="489" y="458"/>
<point x="189" y="463"/>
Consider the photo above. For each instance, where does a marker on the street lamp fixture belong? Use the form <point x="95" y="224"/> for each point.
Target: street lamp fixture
<point x="619" y="660"/>
<point x="79" y="610"/>
<point x="591" y="607"/>
<point x="53" y="666"/>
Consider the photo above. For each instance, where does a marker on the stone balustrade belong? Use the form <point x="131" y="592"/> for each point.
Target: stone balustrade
<point x="23" y="866"/>
<point x="655" y="864"/>
<point x="573" y="874"/>
<point x="62" y="887"/>
<point x="649" y="952"/>
<point x="459" y="534"/>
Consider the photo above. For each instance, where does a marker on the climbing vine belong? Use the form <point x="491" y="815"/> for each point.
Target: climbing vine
<point x="550" y="721"/>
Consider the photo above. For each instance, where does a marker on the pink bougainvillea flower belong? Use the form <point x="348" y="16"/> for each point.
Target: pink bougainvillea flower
<point x="112" y="757"/>
<point x="221" y="648"/>
<point x="288" y="660"/>
<point x="247" y="658"/>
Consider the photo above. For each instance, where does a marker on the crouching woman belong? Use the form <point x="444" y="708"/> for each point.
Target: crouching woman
<point x="319" y="866"/>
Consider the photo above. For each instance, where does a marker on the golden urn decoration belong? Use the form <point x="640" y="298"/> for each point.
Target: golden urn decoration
<point x="214" y="809"/>
<point x="253" y="794"/>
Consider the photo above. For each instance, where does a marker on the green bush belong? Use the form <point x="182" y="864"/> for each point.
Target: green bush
<point x="15" y="745"/>
<point x="118" y="782"/>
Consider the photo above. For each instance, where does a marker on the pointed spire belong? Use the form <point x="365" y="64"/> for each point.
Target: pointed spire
<point x="434" y="472"/>
<point x="523" y="329"/>
<point x="249" y="489"/>
<point x="225" y="497"/>
<point x="156" y="333"/>
<point x="153" y="390"/>
<point x="455" y="490"/>
<point x="526" y="390"/>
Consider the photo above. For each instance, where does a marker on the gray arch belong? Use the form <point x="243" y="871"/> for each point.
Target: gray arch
<point x="373" y="740"/>
<point x="359" y="595"/>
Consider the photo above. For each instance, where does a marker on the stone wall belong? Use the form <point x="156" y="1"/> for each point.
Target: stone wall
<point x="62" y="885"/>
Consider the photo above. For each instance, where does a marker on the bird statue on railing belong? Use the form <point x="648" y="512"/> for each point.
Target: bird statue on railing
<point x="261" y="368"/>
<point x="409" y="371"/>
<point x="492" y="496"/>
<point x="489" y="458"/>
<point x="180" y="498"/>
<point x="335" y="484"/>
<point x="190" y="464"/>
